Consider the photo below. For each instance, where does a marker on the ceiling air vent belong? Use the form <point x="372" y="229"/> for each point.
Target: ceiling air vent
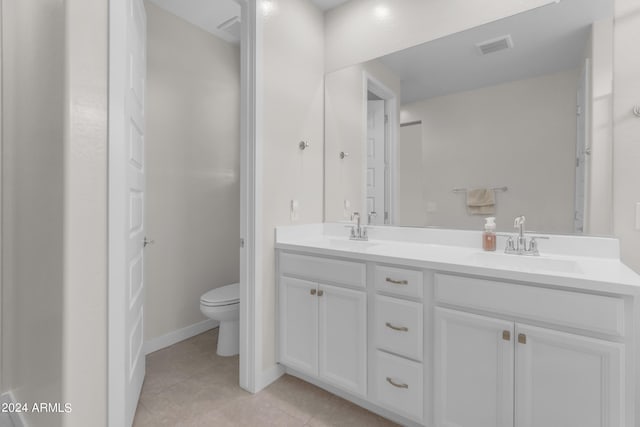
<point x="232" y="27"/>
<point x="494" y="45"/>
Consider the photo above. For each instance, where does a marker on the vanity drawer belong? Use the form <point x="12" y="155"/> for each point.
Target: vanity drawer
<point x="399" y="384"/>
<point x="399" y="281"/>
<point x="565" y="308"/>
<point x="398" y="326"/>
<point x="324" y="269"/>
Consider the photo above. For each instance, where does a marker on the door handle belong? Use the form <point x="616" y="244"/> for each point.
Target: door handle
<point x="522" y="338"/>
<point x="320" y="293"/>
<point x="312" y="291"/>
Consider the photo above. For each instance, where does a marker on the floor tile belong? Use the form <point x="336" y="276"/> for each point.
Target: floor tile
<point x="189" y="385"/>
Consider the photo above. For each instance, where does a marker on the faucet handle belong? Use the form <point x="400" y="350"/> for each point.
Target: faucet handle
<point x="510" y="248"/>
<point x="355" y="215"/>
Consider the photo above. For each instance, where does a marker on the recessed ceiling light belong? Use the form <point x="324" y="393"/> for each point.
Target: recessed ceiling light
<point x="381" y="12"/>
<point x="268" y="7"/>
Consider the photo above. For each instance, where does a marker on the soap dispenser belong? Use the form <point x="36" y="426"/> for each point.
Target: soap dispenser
<point x="489" y="235"/>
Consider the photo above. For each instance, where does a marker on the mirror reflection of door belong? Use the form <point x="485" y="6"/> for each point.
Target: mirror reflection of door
<point x="376" y="148"/>
<point x="582" y="149"/>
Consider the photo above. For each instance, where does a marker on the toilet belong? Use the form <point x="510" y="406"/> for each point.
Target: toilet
<point x="223" y="304"/>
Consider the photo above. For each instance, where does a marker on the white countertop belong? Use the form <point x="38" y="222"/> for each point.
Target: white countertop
<point x="589" y="263"/>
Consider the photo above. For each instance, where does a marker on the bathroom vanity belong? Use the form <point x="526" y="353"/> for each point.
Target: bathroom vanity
<point x="423" y="327"/>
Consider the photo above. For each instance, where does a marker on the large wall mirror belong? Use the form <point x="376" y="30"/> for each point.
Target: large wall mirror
<point x="510" y="118"/>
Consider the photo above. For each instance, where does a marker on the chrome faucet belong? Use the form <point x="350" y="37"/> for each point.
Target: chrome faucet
<point x="520" y="246"/>
<point x="358" y="232"/>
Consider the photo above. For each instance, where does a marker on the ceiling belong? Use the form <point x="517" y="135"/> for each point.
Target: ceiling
<point x="206" y="14"/>
<point x="545" y="40"/>
<point x="328" y="4"/>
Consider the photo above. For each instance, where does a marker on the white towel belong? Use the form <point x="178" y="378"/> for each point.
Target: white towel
<point x="481" y="201"/>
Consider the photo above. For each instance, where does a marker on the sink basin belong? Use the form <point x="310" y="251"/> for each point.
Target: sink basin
<point x="356" y="245"/>
<point x="525" y="263"/>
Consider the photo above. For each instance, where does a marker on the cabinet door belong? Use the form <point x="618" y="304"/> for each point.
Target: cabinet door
<point x="298" y="313"/>
<point x="343" y="338"/>
<point x="473" y="370"/>
<point x="567" y="380"/>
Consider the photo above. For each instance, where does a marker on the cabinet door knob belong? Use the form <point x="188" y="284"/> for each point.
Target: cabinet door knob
<point x="522" y="338"/>
<point x="397" y="328"/>
<point x="395" y="384"/>
<point x="313" y="291"/>
<point x="506" y="335"/>
<point x="320" y="293"/>
<point x="397" y="282"/>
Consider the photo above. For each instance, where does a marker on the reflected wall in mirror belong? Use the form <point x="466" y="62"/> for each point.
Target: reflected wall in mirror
<point x="523" y="103"/>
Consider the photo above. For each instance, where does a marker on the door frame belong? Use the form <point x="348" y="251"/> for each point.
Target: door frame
<point x="250" y="206"/>
<point x="375" y="86"/>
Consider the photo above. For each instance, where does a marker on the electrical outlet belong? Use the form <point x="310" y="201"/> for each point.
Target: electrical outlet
<point x="295" y="210"/>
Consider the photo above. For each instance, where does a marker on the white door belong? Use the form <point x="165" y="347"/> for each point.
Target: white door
<point x="567" y="380"/>
<point x="126" y="210"/>
<point x="582" y="151"/>
<point x="298" y="313"/>
<point x="473" y="370"/>
<point x="343" y="338"/>
<point x="376" y="149"/>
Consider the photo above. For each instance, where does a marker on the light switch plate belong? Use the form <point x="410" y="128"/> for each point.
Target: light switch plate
<point x="347" y="209"/>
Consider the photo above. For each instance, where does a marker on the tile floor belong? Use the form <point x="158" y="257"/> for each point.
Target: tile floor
<point x="187" y="384"/>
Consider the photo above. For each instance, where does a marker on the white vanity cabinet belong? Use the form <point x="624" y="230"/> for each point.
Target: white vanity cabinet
<point x="322" y="327"/>
<point x="497" y="372"/>
<point x="455" y="345"/>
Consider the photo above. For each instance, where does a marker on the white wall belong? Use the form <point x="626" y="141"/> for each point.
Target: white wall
<point x="293" y="111"/>
<point x="192" y="158"/>
<point x="346" y="130"/>
<point x="410" y="195"/>
<point x="626" y="149"/>
<point x="85" y="216"/>
<point x="520" y="134"/>
<point x="361" y="30"/>
<point x="32" y="202"/>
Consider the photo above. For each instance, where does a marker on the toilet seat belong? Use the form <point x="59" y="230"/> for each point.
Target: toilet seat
<point x="224" y="295"/>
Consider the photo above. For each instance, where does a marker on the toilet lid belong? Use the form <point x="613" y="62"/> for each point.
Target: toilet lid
<point x="224" y="295"/>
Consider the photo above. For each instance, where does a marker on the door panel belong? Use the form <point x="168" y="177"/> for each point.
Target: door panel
<point x="298" y="313"/>
<point x="473" y="370"/>
<point x="135" y="182"/>
<point x="343" y="342"/>
<point x="567" y="380"/>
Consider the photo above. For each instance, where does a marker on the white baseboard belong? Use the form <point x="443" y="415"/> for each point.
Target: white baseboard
<point x="171" y="338"/>
<point x="10" y="419"/>
<point x="268" y="376"/>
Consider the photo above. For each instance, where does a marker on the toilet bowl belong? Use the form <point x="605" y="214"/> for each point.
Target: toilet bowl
<point x="223" y="304"/>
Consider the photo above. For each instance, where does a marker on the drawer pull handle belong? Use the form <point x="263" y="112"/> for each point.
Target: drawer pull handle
<point x="397" y="328"/>
<point x="397" y="282"/>
<point x="313" y="291"/>
<point x="395" y="384"/>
